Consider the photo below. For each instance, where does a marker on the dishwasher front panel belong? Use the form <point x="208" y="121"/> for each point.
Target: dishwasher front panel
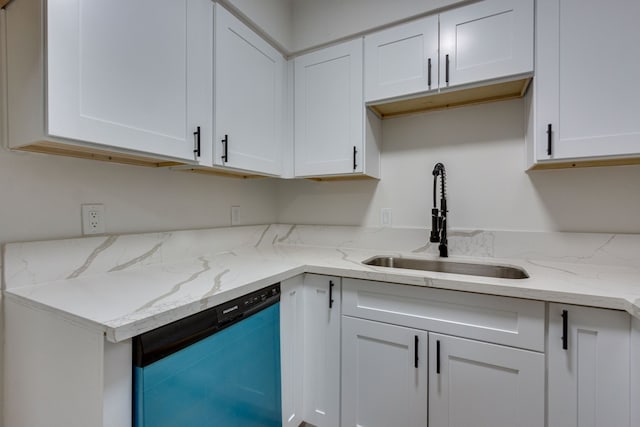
<point x="231" y="378"/>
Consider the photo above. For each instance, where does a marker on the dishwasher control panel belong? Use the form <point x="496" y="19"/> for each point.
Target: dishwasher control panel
<point x="248" y="304"/>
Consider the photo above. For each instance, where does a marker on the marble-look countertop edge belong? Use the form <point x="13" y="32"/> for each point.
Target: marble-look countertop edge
<point x="65" y="315"/>
<point x="500" y="287"/>
<point x="503" y="290"/>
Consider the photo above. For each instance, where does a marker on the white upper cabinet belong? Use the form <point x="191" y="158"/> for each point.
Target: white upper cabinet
<point x="331" y="129"/>
<point x="486" y="40"/>
<point x="483" y="51"/>
<point x="119" y="74"/>
<point x="402" y="60"/>
<point x="250" y="77"/>
<point x="588" y="367"/>
<point x="586" y="92"/>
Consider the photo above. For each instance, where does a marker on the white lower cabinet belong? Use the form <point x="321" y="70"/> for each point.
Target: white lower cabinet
<point x="398" y="368"/>
<point x="588" y="367"/>
<point x="384" y="374"/>
<point x="59" y="373"/>
<point x="473" y="383"/>
<point x="321" y="373"/>
<point x="310" y="350"/>
<point x="291" y="349"/>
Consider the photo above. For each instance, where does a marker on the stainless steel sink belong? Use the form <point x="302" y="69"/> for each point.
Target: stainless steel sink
<point x="471" y="269"/>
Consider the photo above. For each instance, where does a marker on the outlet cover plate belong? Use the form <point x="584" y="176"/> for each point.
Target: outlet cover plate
<point x="92" y="219"/>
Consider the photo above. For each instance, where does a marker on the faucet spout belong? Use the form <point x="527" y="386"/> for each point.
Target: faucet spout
<point x="439" y="216"/>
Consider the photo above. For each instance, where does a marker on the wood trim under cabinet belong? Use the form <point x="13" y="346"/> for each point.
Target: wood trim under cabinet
<point x="454" y="98"/>
<point x="586" y="163"/>
<point x="4" y="3"/>
<point x="82" y="152"/>
<point x="218" y="172"/>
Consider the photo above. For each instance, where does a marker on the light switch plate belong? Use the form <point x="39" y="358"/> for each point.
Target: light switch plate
<point x="235" y="215"/>
<point x="386" y="217"/>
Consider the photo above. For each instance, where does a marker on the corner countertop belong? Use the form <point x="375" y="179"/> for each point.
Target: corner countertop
<point x="140" y="293"/>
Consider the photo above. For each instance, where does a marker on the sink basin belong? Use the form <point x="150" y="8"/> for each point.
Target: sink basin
<point x="471" y="269"/>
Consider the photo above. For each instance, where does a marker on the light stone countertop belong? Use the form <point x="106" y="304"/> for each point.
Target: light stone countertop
<point x="149" y="280"/>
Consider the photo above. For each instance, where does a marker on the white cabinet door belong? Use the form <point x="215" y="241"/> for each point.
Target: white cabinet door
<point x="133" y="75"/>
<point x="292" y="349"/>
<point x="588" y="381"/>
<point x="486" y="40"/>
<point x="329" y="111"/>
<point x="384" y="375"/>
<point x="321" y="350"/>
<point x="249" y="98"/>
<point x="586" y="85"/>
<point x="402" y="60"/>
<point x="478" y="384"/>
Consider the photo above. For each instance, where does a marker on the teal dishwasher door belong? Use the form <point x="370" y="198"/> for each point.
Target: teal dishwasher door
<point x="231" y="378"/>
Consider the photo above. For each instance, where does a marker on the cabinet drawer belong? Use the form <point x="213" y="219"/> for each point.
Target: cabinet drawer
<point x="501" y="320"/>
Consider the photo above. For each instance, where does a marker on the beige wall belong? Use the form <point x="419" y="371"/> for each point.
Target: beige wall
<point x="298" y="25"/>
<point x="482" y="148"/>
<point x="272" y="17"/>
<point x="317" y="22"/>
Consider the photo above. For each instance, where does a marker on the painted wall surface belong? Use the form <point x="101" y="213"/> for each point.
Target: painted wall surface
<point x="298" y="25"/>
<point x="273" y="17"/>
<point x="317" y="22"/>
<point x="41" y="197"/>
<point x="482" y="148"/>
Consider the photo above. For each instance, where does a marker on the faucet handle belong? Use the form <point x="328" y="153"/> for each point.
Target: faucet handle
<point x="435" y="225"/>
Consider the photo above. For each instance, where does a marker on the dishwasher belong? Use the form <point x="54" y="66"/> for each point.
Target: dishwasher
<point x="219" y="367"/>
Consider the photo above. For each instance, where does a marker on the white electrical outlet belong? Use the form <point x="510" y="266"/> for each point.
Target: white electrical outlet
<point x="235" y="215"/>
<point x="386" y="217"/>
<point x="93" y="219"/>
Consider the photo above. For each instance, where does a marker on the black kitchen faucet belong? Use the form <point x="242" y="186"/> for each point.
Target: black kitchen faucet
<point x="439" y="217"/>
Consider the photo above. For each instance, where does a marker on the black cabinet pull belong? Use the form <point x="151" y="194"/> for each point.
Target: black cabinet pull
<point x="549" y="138"/>
<point x="446" y="69"/>
<point x="225" y="148"/>
<point x="565" y="328"/>
<point x="438" y="357"/>
<point x="196" y="135"/>
<point x="331" y="285"/>
<point x="355" y="151"/>
<point x="429" y="72"/>
<point x="415" y="352"/>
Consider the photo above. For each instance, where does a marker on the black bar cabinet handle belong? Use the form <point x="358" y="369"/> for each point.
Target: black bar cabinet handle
<point x="331" y="285"/>
<point x="438" y="357"/>
<point x="549" y="138"/>
<point x="415" y="352"/>
<point x="196" y="134"/>
<point x="565" y="329"/>
<point x="429" y="72"/>
<point x="355" y="151"/>
<point x="225" y="147"/>
<point x="446" y="69"/>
